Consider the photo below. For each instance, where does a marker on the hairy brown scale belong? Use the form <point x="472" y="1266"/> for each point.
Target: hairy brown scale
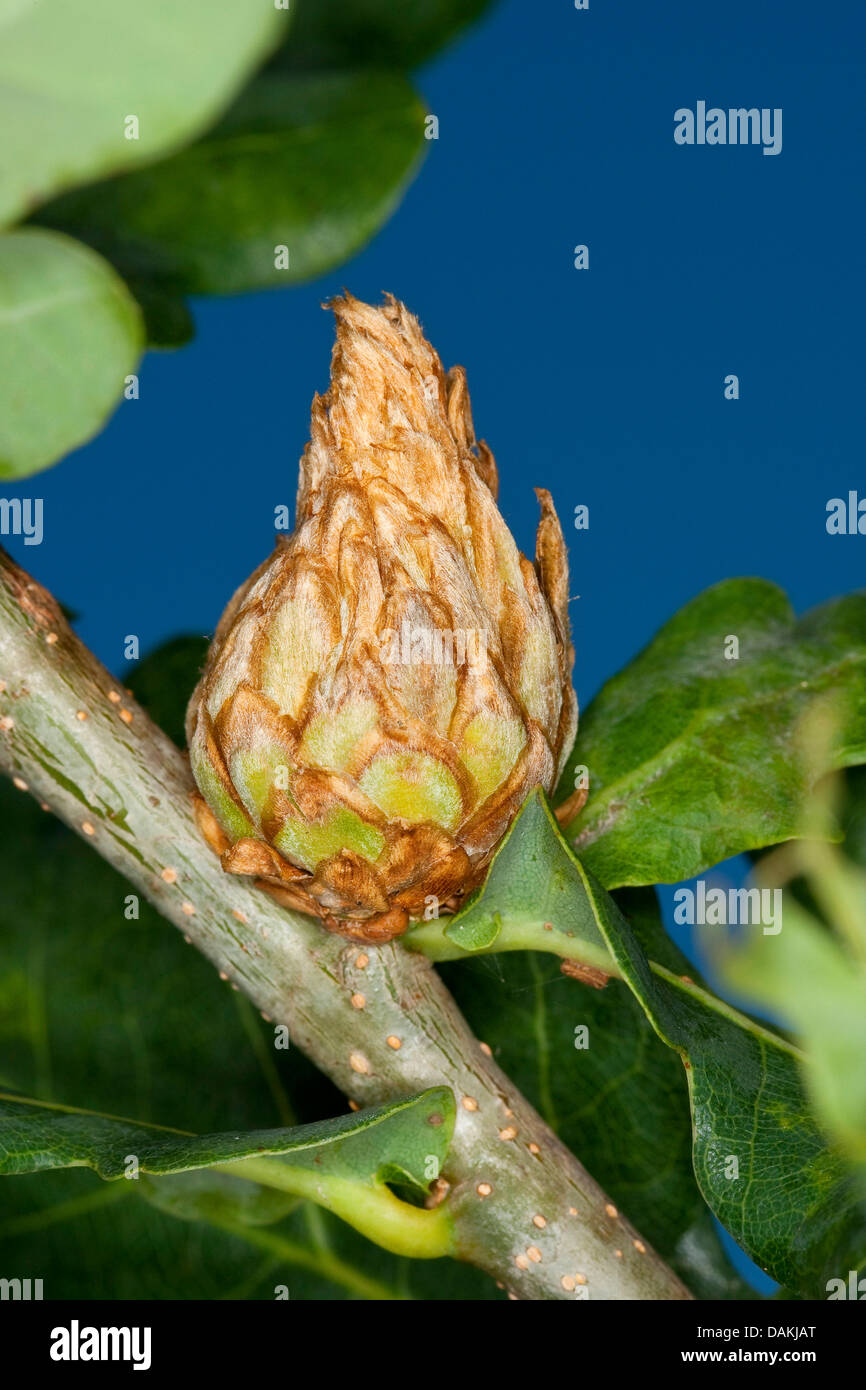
<point x="386" y="689"/>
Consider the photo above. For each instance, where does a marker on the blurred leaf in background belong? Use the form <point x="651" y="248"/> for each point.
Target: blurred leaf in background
<point x="812" y="974"/>
<point x="89" y="88"/>
<point x="285" y="180"/>
<point x="373" y="33"/>
<point x="293" y="180"/>
<point x="61" y="305"/>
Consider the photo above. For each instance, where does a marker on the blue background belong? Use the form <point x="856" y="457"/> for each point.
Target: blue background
<point x="556" y="128"/>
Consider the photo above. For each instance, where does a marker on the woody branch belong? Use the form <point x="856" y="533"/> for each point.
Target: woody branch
<point x="525" y="1209"/>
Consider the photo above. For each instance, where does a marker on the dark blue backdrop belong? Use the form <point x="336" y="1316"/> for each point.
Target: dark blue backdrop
<point x="556" y="128"/>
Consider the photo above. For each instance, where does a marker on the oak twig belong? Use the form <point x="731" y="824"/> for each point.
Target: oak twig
<point x="524" y="1208"/>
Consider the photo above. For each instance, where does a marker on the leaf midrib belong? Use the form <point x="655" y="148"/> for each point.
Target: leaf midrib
<point x="719" y="1006"/>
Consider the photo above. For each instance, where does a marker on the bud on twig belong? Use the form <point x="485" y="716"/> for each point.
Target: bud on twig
<point x="385" y="691"/>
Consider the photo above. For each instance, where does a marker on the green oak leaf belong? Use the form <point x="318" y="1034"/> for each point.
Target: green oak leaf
<point x="343" y="1164"/>
<point x="789" y="1199"/>
<point x="536" y="908"/>
<point x="71" y="75"/>
<point x="693" y="757"/>
<point x="312" y="164"/>
<point x="792" y="1202"/>
<point x="69" y="334"/>
<point x="620" y="1101"/>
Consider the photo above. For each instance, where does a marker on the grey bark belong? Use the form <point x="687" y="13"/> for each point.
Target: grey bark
<point x="84" y="747"/>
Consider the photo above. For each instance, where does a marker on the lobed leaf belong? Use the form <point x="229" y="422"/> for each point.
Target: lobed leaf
<point x="694" y="757"/>
<point x="615" y="1095"/>
<point x="761" y="1160"/>
<point x="344" y="1164"/>
<point x="388" y="1144"/>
